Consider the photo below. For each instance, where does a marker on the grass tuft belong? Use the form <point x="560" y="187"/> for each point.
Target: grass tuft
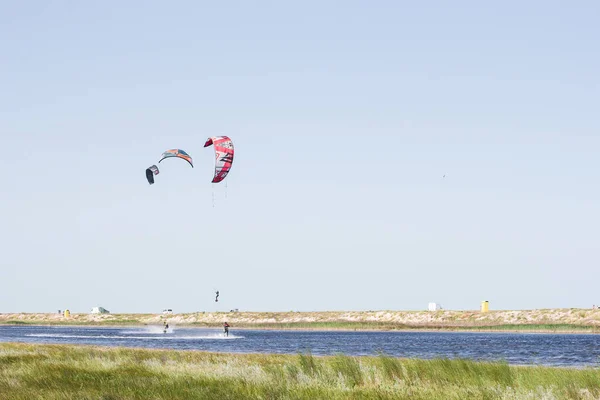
<point x="308" y="364"/>
<point x="349" y="369"/>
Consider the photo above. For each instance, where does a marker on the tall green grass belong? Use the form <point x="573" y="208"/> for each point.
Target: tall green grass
<point x="77" y="372"/>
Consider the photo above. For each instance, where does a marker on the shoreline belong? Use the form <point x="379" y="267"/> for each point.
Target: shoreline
<point x="518" y="329"/>
<point x="416" y="330"/>
<point x="556" y="321"/>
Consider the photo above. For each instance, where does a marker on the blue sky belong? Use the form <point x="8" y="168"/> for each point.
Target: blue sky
<point x="345" y="117"/>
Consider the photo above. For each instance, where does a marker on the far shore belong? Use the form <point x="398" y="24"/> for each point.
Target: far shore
<point x="571" y="320"/>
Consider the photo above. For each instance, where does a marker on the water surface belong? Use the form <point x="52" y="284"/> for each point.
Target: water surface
<point x="576" y="350"/>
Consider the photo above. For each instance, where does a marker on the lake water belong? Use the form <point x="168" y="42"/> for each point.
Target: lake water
<point x="574" y="350"/>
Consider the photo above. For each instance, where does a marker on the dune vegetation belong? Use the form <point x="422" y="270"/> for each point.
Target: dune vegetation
<point x="81" y="372"/>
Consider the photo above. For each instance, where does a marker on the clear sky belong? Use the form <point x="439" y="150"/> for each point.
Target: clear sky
<point x="345" y="116"/>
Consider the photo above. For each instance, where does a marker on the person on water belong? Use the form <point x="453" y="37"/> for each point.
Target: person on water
<point x="226" y="328"/>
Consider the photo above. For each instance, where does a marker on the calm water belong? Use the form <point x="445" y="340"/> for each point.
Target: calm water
<point x="542" y="349"/>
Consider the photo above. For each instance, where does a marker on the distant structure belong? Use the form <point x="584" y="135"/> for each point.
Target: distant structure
<point x="167" y="311"/>
<point x="435" y="307"/>
<point x="485" y="306"/>
<point x="100" y="310"/>
<point x="67" y="313"/>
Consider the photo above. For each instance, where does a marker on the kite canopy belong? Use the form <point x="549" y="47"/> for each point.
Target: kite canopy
<point x="223" y="156"/>
<point x="150" y="172"/>
<point x="177" y="153"/>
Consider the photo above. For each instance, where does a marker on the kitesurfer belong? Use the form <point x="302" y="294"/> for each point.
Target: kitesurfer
<point x="226" y="328"/>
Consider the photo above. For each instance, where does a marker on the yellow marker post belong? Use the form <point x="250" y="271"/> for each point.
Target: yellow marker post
<point x="485" y="306"/>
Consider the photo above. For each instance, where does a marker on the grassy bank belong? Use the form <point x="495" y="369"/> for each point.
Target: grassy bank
<point x="78" y="372"/>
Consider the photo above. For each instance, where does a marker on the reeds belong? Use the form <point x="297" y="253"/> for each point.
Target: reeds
<point x="80" y="372"/>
